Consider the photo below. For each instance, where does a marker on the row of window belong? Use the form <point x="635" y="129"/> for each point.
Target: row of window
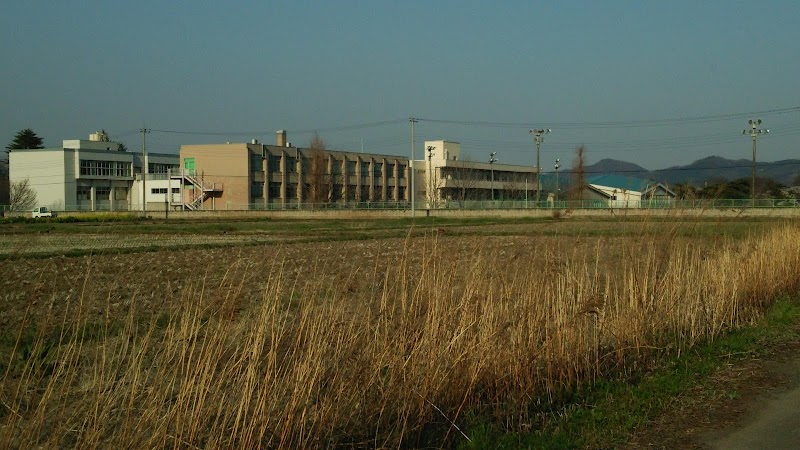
<point x="94" y="168"/>
<point x="274" y="165"/>
<point x="161" y="168"/>
<point x="164" y="190"/>
<point x="335" y="194"/>
<point x="84" y="193"/>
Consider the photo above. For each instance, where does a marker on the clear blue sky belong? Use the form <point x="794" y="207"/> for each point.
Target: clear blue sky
<point x="70" y="68"/>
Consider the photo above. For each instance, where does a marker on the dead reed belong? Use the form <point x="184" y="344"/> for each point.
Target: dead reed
<point x="371" y="360"/>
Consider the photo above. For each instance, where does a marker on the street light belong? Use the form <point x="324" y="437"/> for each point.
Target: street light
<point x="538" y="138"/>
<point x="754" y="131"/>
<point x="556" y="167"/>
<point x="492" y="160"/>
<point x="430" y="177"/>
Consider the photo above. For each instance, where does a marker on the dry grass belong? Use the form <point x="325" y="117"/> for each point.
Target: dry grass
<point x="372" y="358"/>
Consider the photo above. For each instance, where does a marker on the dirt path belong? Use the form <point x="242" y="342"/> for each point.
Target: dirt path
<point x="749" y="404"/>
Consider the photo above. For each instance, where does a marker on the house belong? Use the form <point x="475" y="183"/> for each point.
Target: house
<point x="618" y="191"/>
<point x="87" y="175"/>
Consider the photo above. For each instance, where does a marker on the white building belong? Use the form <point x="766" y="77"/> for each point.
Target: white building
<point x="84" y="175"/>
<point x="450" y="181"/>
<point x="627" y="192"/>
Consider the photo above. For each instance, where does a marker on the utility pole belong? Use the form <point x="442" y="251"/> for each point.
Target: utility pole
<point x="144" y="131"/>
<point x="411" y="167"/>
<point x="754" y="131"/>
<point x="168" y="197"/>
<point x="556" y="167"/>
<point x="538" y="138"/>
<point x="430" y="177"/>
<point x="492" y="160"/>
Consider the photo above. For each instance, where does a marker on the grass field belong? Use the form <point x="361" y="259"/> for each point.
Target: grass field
<point x="302" y="334"/>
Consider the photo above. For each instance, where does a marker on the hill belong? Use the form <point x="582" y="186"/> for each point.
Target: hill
<point x="712" y="168"/>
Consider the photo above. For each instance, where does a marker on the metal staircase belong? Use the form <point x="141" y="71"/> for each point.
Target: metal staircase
<point x="206" y="190"/>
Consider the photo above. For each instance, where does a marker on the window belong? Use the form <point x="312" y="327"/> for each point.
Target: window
<point x="257" y="190"/>
<point x="377" y="170"/>
<point x="158" y="190"/>
<point x="94" y="168"/>
<point x="84" y="193"/>
<point x="274" y="190"/>
<point x="336" y="167"/>
<point x="291" y="164"/>
<point x="401" y="193"/>
<point x="364" y="168"/>
<point x="274" y="163"/>
<point x="401" y="171"/>
<point x="160" y="168"/>
<point x="176" y="190"/>
<point x="389" y="170"/>
<point x="256" y="162"/>
<point x="188" y="164"/>
<point x="291" y="191"/>
<point x="351" y="167"/>
<point x="102" y="193"/>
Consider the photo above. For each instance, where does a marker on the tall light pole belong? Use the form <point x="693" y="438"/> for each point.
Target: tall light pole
<point x="538" y="138"/>
<point x="430" y="177"/>
<point x="411" y="166"/>
<point x="144" y="131"/>
<point x="492" y="160"/>
<point x="754" y="131"/>
<point x="556" y="167"/>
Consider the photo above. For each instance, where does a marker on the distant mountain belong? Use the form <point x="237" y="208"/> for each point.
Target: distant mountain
<point x="615" y="166"/>
<point x="717" y="168"/>
<point x="712" y="168"/>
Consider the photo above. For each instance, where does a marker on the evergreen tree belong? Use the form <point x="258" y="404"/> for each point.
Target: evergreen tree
<point x="26" y="138"/>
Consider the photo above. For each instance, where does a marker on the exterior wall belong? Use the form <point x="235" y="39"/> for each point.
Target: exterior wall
<point x="224" y="165"/>
<point x="255" y="176"/>
<point x="156" y="200"/>
<point x="55" y="174"/>
<point x="447" y="178"/>
<point x="45" y="171"/>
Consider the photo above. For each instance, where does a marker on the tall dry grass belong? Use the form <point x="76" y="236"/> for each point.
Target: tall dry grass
<point x="323" y="364"/>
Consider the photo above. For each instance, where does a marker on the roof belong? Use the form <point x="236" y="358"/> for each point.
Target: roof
<point x="620" y="182"/>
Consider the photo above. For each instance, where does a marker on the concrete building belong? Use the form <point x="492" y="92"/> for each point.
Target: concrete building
<point x="84" y="175"/>
<point x="617" y="191"/>
<point x="257" y="176"/>
<point x="449" y="181"/>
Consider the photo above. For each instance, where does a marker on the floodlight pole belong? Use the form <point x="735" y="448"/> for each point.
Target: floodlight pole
<point x="556" y="167"/>
<point x="538" y="138"/>
<point x="411" y="167"/>
<point x="144" y="131"/>
<point x="430" y="177"/>
<point x="492" y="160"/>
<point x="754" y="132"/>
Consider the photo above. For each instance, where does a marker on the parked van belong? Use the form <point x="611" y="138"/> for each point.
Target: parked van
<point x="41" y="211"/>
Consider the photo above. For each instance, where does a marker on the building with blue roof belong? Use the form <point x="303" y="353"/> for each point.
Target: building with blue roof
<point x="628" y="192"/>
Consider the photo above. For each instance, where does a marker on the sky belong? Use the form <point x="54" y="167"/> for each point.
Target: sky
<point x="655" y="83"/>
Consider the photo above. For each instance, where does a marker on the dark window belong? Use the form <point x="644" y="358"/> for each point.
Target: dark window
<point x="377" y="170"/>
<point x="274" y="163"/>
<point x="257" y="190"/>
<point x="401" y="171"/>
<point x="274" y="190"/>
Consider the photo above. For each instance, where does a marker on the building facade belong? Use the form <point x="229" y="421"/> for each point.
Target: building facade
<point x="257" y="176"/>
<point x="449" y="181"/>
<point x="83" y="175"/>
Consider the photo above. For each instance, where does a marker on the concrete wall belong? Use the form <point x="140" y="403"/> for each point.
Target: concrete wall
<point x="45" y="170"/>
<point x="223" y="164"/>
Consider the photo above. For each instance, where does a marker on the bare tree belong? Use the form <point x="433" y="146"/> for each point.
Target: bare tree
<point x="578" y="174"/>
<point x="464" y="180"/>
<point x="319" y="187"/>
<point x="23" y="197"/>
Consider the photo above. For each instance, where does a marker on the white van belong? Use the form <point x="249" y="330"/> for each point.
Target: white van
<point x="41" y="211"/>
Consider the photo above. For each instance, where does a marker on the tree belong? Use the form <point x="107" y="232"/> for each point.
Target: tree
<point x="578" y="174"/>
<point x="26" y="138"/>
<point x="320" y="184"/>
<point x="22" y="195"/>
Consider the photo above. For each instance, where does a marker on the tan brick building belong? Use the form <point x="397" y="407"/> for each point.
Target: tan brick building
<point x="258" y="176"/>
